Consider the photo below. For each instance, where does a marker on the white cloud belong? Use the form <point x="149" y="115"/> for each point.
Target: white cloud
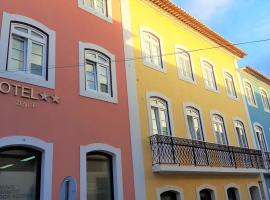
<point x="206" y="10"/>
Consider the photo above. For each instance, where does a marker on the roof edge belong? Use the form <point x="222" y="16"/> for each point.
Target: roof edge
<point x="256" y="74"/>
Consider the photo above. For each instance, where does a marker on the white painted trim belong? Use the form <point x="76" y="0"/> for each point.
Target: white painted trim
<point x="190" y="169"/>
<point x="253" y="185"/>
<point x="204" y="59"/>
<point x="161" y="96"/>
<point x="215" y="112"/>
<point x="234" y="119"/>
<point x="190" y="104"/>
<point x="157" y="35"/>
<point x="94" y="94"/>
<point x="267" y="96"/>
<point x="266" y="192"/>
<point x="96" y="13"/>
<point x="231" y="74"/>
<point x="134" y="117"/>
<point x="117" y="168"/>
<point x="176" y="47"/>
<point x="235" y="186"/>
<point x="257" y="141"/>
<point x="47" y="159"/>
<point x="206" y="186"/>
<point x="256" y="103"/>
<point x="179" y="191"/>
<point x="4" y="43"/>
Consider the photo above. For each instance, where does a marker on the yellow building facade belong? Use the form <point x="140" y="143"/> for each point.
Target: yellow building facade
<point x="186" y="108"/>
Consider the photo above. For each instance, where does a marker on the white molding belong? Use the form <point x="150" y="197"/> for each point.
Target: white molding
<point x="190" y="169"/>
<point x="216" y="112"/>
<point x="98" y="14"/>
<point x="161" y="68"/>
<point x="224" y="70"/>
<point x="191" y="104"/>
<point x="95" y="94"/>
<point x="47" y="159"/>
<point x="117" y="168"/>
<point x="204" y="59"/>
<point x="206" y="186"/>
<point x="4" y="43"/>
<point x="176" y="47"/>
<point x="134" y="117"/>
<point x="170" y="115"/>
<point x="179" y="191"/>
<point x="235" y="186"/>
<point x="254" y="185"/>
<point x="252" y="88"/>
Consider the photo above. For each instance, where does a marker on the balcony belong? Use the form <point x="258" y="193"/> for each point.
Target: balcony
<point x="178" y="155"/>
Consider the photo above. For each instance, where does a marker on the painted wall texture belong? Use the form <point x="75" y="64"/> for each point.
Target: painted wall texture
<point x="76" y="120"/>
<point x="167" y="85"/>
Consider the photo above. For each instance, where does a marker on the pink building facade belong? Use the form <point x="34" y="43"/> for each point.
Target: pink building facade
<point x="64" y="125"/>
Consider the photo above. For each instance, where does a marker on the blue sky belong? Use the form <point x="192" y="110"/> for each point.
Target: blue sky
<point x="238" y="21"/>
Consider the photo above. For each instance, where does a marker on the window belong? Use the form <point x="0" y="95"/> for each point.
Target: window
<point x="98" y="5"/>
<point x="233" y="194"/>
<point x="184" y="65"/>
<point x="99" y="176"/>
<point x="219" y="129"/>
<point x="230" y="85"/>
<point x="159" y="116"/>
<point x="241" y="134"/>
<point x="209" y="76"/>
<point x="265" y="100"/>
<point x="249" y="93"/>
<point x="20" y="170"/>
<point x="207" y="194"/>
<point x="27" y="51"/>
<point x="194" y="123"/>
<point x="97" y="75"/>
<point x="254" y="193"/>
<point x="151" y="50"/>
<point x="260" y="136"/>
<point x="168" y="195"/>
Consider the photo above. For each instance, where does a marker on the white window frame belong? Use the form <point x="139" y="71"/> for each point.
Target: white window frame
<point x="236" y="133"/>
<point x="179" y="191"/>
<point x="47" y="159"/>
<point x="224" y="126"/>
<point x="162" y="67"/>
<point x="185" y="106"/>
<point x="106" y="17"/>
<point x="116" y="165"/>
<point x="228" y="186"/>
<point x="262" y="90"/>
<point x="255" y="125"/>
<point x="226" y="75"/>
<point x="208" y="187"/>
<point x="169" y="110"/>
<point x="177" y="57"/>
<point x="112" y="98"/>
<point x="4" y="47"/>
<point x="252" y="92"/>
<point x="203" y="67"/>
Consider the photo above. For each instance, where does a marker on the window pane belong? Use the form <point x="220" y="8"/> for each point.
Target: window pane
<point x="90" y="73"/>
<point x="100" y="6"/>
<point x="37" y="59"/>
<point x="16" y="62"/>
<point x="24" y="30"/>
<point x="19" y="173"/>
<point x="99" y="177"/>
<point x="154" y="120"/>
<point x="35" y="34"/>
<point x="163" y="122"/>
<point x="103" y="79"/>
<point x="89" y="3"/>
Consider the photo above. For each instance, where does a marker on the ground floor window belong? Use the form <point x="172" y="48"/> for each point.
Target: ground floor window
<point x="254" y="193"/>
<point x="233" y="193"/>
<point x="20" y="170"/>
<point x="168" y="195"/>
<point x="206" y="194"/>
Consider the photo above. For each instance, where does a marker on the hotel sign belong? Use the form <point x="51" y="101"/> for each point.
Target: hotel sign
<point x="27" y="93"/>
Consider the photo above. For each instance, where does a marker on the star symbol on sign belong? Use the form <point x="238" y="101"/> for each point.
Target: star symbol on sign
<point x="55" y="99"/>
<point x="44" y="96"/>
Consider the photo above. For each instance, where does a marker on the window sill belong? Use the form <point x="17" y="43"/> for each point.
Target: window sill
<point x="252" y="105"/>
<point x="187" y="80"/>
<point x="26" y="78"/>
<point x="155" y="67"/>
<point x="212" y="90"/>
<point x="99" y="96"/>
<point x="233" y="98"/>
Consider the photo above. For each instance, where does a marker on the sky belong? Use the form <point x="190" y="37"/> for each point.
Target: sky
<point x="238" y="21"/>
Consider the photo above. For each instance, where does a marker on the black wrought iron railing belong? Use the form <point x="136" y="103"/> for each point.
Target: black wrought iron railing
<point x="186" y="152"/>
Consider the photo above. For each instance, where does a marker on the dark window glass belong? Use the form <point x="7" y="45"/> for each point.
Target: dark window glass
<point x="99" y="176"/>
<point x="19" y="173"/>
<point x="206" y="194"/>
<point x="231" y="194"/>
<point x="169" y="195"/>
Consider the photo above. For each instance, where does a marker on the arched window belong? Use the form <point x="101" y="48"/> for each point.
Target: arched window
<point x="97" y="72"/>
<point x="184" y="64"/>
<point x="151" y="49"/>
<point x="230" y="85"/>
<point x="209" y="76"/>
<point x="260" y="136"/>
<point x="169" y="195"/>
<point x="98" y="5"/>
<point x="254" y="193"/>
<point x="99" y="176"/>
<point x="20" y="171"/>
<point x="265" y="100"/>
<point x="194" y="123"/>
<point x="159" y="116"/>
<point x="207" y="194"/>
<point x="233" y="193"/>
<point x="219" y="129"/>
<point x="241" y="134"/>
<point x="249" y="93"/>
